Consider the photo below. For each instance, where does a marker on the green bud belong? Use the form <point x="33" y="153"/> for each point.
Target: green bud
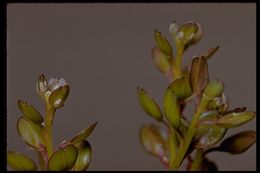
<point x="161" y="61"/>
<point x="162" y="43"/>
<point x="148" y="104"/>
<point x="181" y="88"/>
<point x="154" y="141"/>
<point x="41" y="85"/>
<point x="188" y="34"/>
<point x="213" y="89"/>
<point x="171" y="108"/>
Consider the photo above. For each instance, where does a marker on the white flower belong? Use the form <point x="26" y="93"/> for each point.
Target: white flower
<point x="46" y="88"/>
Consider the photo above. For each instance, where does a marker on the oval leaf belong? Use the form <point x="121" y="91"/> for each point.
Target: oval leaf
<point x="148" y="104"/>
<point x="171" y="108"/>
<point x="181" y="88"/>
<point x="154" y="140"/>
<point x="30" y="132"/>
<point x="235" y="119"/>
<point x="238" y="143"/>
<point x="63" y="159"/>
<point x="20" y="162"/>
<point x="199" y="76"/>
<point x="207" y="136"/>
<point x="161" y="61"/>
<point x="84" y="156"/>
<point x="30" y="112"/>
<point x="58" y="96"/>
<point x="163" y="43"/>
<point x="83" y="134"/>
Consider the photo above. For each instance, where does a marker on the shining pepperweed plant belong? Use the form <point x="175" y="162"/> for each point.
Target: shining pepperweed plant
<point x="36" y="131"/>
<point x="175" y="137"/>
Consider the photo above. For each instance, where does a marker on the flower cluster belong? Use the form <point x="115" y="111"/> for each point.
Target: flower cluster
<point x="177" y="137"/>
<point x="36" y="131"/>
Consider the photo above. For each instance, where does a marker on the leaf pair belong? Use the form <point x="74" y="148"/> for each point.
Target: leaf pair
<point x="72" y="157"/>
<point x="75" y="155"/>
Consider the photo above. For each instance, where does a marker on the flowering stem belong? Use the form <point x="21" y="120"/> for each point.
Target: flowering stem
<point x="177" y="63"/>
<point x="196" y="164"/>
<point x="48" y="129"/>
<point x="188" y="137"/>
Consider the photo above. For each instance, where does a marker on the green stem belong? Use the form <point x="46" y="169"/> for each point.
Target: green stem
<point x="177" y="63"/>
<point x="196" y="164"/>
<point x="48" y="129"/>
<point x="188" y="137"/>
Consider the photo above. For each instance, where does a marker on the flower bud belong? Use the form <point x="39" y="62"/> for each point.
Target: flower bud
<point x="41" y="85"/>
<point x="213" y="89"/>
<point x="187" y="34"/>
<point x="162" y="43"/>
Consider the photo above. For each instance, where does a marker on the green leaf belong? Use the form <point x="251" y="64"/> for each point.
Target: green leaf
<point x="207" y="136"/>
<point x="20" y="162"/>
<point x="63" y="159"/>
<point x="84" y="156"/>
<point x="238" y="143"/>
<point x="162" y="43"/>
<point x="235" y="119"/>
<point x="154" y="141"/>
<point x="161" y="61"/>
<point x="199" y="76"/>
<point x="30" y="132"/>
<point x="181" y="88"/>
<point x="148" y="104"/>
<point x="171" y="108"/>
<point x="58" y="96"/>
<point x="210" y="52"/>
<point x="83" y="134"/>
<point x="30" y="112"/>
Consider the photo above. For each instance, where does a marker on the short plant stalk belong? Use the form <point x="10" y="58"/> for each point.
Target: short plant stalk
<point x="48" y="126"/>
<point x="188" y="138"/>
<point x="197" y="162"/>
<point x="177" y="63"/>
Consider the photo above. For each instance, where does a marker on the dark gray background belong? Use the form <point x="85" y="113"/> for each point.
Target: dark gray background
<point x="103" y="51"/>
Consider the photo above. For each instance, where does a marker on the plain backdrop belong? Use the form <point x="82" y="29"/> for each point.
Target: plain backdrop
<point x="104" y="53"/>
